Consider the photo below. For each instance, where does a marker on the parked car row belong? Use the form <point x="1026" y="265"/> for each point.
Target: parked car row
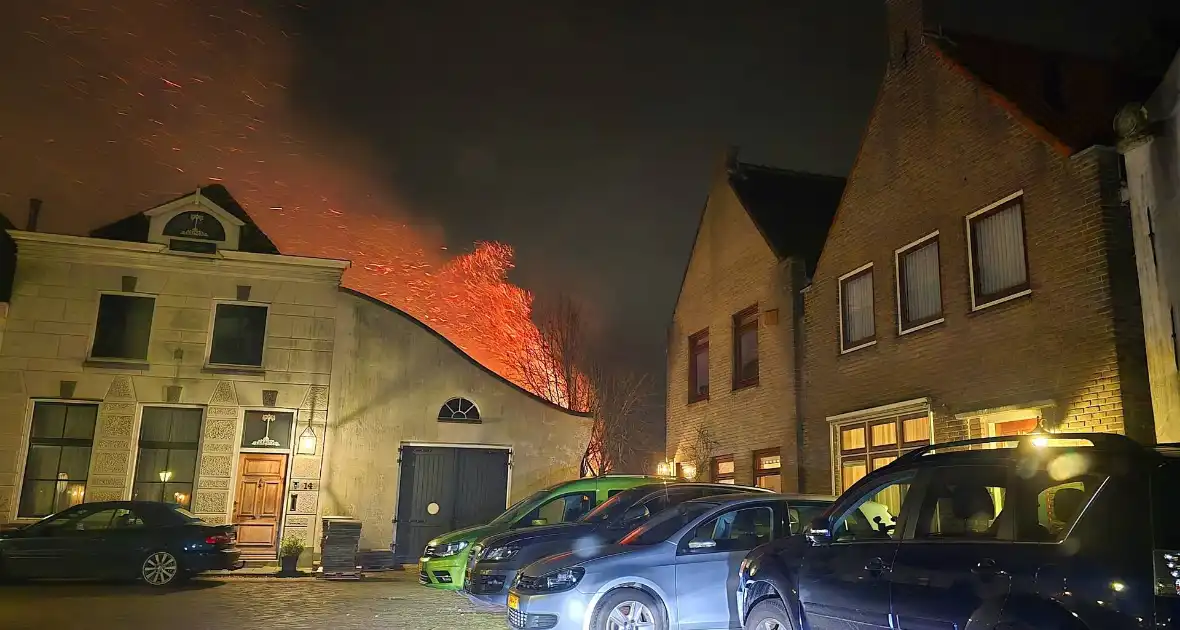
<point x="1070" y="531"/>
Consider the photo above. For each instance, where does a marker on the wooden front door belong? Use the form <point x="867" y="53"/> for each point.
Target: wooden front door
<point x="258" y="504"/>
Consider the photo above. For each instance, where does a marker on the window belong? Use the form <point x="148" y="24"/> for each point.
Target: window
<point x="698" y="366"/>
<point x="123" y="328"/>
<point x="737" y="530"/>
<point x="799" y="516"/>
<point x="89" y="519"/>
<point x="964" y="502"/>
<point x="767" y="469"/>
<point x="724" y="470"/>
<point x="459" y="410"/>
<point x="745" y="348"/>
<point x="1058" y="502"/>
<point x="919" y="291"/>
<point x="857" y="328"/>
<point x="167" y="458"/>
<point x="863" y="446"/>
<point x="563" y="509"/>
<point x="999" y="262"/>
<point x="874" y="516"/>
<point x="59" y="458"/>
<point x="239" y="334"/>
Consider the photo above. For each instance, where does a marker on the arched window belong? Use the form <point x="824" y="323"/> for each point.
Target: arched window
<point x="458" y="410"/>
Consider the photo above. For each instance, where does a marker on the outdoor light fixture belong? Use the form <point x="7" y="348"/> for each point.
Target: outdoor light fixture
<point x="689" y="471"/>
<point x="307" y="440"/>
<point x="1040" y="440"/>
<point x="664" y="468"/>
<point x="165" y="475"/>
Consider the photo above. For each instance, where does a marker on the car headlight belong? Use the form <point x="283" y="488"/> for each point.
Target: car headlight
<point x="450" y="549"/>
<point x="497" y="554"/>
<point x="560" y="580"/>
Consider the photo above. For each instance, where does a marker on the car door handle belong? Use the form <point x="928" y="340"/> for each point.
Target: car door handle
<point x="986" y="568"/>
<point x="876" y="567"/>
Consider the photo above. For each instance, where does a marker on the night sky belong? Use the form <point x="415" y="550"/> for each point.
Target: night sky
<point x="398" y="134"/>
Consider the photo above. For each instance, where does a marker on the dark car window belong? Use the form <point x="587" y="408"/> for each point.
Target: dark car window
<point x="800" y="515"/>
<point x="1051" y="502"/>
<point x="562" y="509"/>
<point x="965" y="503"/>
<point x="874" y="514"/>
<point x="614" y="507"/>
<point x="736" y="530"/>
<point x="666" y="524"/>
<point x="1165" y="504"/>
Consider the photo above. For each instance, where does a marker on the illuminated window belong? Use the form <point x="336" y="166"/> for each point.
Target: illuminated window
<point x="59" y="458"/>
<point x="745" y="348"/>
<point x="166" y="463"/>
<point x="459" y="410"/>
<point x="698" y="366"/>
<point x="863" y="446"/>
<point x="724" y="470"/>
<point x="768" y="469"/>
<point x="999" y="261"/>
<point x="857" y="325"/>
<point x="919" y="293"/>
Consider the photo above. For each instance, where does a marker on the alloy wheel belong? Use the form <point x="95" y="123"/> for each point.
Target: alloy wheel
<point x="631" y="615"/>
<point x="770" y="624"/>
<point x="160" y="568"/>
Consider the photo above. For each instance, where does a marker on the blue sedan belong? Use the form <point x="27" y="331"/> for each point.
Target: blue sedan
<point x="679" y="570"/>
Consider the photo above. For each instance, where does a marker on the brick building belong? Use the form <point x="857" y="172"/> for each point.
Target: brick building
<point x="978" y="278"/>
<point x="731" y="372"/>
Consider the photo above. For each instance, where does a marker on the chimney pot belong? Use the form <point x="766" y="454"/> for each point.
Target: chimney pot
<point x="34" y="213"/>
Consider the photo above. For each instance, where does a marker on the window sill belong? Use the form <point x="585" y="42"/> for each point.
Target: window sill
<point x="214" y="368"/>
<point x="998" y="301"/>
<point x="860" y="347"/>
<point x="693" y="401"/>
<point x="117" y="364"/>
<point x="737" y="387"/>
<point x="924" y="326"/>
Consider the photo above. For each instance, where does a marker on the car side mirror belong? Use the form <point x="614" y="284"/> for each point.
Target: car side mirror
<point x="702" y="544"/>
<point x="819" y="532"/>
<point x="538" y="522"/>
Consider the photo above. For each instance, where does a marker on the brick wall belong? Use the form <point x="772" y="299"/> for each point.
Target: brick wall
<point x="731" y="268"/>
<point x="937" y="148"/>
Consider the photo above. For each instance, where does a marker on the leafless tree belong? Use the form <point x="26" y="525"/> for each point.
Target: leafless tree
<point x="558" y="365"/>
<point x="699" y="451"/>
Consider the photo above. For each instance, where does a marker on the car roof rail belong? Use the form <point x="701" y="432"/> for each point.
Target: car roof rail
<point x="1110" y="441"/>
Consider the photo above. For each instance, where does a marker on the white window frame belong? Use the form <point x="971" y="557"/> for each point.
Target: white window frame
<point x="915" y="246"/>
<point x="868" y="416"/>
<point x="94" y="329"/>
<point x="872" y="303"/>
<point x="27" y="443"/>
<point x="213" y="325"/>
<point x="975" y="304"/>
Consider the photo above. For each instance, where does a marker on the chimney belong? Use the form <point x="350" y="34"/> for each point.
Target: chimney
<point x="34" y="212"/>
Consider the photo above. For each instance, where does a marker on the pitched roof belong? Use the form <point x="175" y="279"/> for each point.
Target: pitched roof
<point x="792" y="210"/>
<point x="1067" y="100"/>
<point x="135" y="227"/>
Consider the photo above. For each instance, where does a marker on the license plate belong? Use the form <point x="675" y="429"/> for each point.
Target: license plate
<point x="513" y="601"/>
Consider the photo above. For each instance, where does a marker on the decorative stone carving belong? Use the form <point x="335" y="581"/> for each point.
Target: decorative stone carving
<point x="210" y="501"/>
<point x="104" y="481"/>
<point x="306" y="467"/>
<point x="304" y="503"/>
<point x="5" y="500"/>
<point x="213" y="519"/>
<point x="319" y="417"/>
<point x="118" y="408"/>
<point x="298" y="521"/>
<point x="104" y="494"/>
<point x="222" y="412"/>
<point x="121" y="389"/>
<point x="109" y="463"/>
<point x="214" y="483"/>
<point x="218" y="447"/>
<point x="222" y="430"/>
<point x="116" y="426"/>
<point x="296" y="532"/>
<point x="224" y="395"/>
<point x="215" y="465"/>
<point x="113" y="445"/>
<point x="317" y="398"/>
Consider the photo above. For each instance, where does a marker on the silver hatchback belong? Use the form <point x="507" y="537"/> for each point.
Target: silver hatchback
<point x="679" y="570"/>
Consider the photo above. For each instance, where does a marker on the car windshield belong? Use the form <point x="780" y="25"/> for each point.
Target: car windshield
<point x="614" y="507"/>
<point x="664" y="525"/>
<point x="521" y="507"/>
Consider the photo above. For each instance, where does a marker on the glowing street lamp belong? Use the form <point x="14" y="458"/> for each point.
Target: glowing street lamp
<point x="307" y="441"/>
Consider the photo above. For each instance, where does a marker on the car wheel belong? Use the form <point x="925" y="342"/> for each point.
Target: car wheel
<point x="629" y="609"/>
<point x="160" y="568"/>
<point x="770" y="614"/>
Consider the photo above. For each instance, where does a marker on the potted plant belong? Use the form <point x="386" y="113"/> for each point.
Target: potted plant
<point x="289" y="552"/>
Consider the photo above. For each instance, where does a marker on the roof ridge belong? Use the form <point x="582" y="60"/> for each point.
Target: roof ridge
<point x="786" y="171"/>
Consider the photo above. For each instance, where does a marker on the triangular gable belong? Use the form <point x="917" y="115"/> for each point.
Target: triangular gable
<point x="194" y="199"/>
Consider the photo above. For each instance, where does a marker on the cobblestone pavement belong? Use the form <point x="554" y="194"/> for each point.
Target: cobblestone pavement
<point x="249" y="603"/>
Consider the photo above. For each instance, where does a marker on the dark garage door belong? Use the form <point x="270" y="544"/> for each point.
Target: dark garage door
<point x="443" y="489"/>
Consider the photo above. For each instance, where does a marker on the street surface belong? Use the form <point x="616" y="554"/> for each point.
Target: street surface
<point x="241" y="602"/>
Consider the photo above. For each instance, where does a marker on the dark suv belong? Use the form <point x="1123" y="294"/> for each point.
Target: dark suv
<point x="1063" y="531"/>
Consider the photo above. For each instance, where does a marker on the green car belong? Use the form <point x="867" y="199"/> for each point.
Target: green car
<point x="444" y="561"/>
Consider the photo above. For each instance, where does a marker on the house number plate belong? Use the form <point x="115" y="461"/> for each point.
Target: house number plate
<point x="305" y="485"/>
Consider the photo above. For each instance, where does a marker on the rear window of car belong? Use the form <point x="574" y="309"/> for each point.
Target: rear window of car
<point x="1165" y="504"/>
